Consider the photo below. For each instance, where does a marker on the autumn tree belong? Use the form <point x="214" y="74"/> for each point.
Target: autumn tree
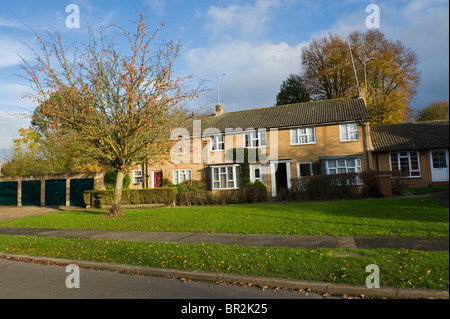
<point x="116" y="104"/>
<point x="327" y="70"/>
<point x="387" y="69"/>
<point x="292" y="90"/>
<point x="435" y="111"/>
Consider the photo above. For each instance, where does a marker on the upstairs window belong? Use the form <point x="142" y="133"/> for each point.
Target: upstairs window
<point x="217" y="143"/>
<point x="255" y="139"/>
<point x="301" y="136"/>
<point x="348" y="132"/>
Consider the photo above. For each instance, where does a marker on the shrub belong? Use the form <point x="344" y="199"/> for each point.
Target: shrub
<point x="193" y="185"/>
<point x="101" y="199"/>
<point x="263" y="197"/>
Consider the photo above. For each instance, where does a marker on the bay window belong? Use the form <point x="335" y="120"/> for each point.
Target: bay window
<point x="225" y="177"/>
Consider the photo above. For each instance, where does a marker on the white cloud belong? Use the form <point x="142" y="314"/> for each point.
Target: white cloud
<point x="254" y="67"/>
<point x="237" y="21"/>
<point x="156" y="6"/>
<point x="9" y="127"/>
<point x="9" y="54"/>
<point x="253" y="72"/>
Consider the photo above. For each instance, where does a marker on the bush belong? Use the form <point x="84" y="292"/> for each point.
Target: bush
<point x="339" y="186"/>
<point x="101" y="199"/>
<point x="193" y="185"/>
<point x="110" y="180"/>
<point x="231" y="196"/>
<point x="263" y="197"/>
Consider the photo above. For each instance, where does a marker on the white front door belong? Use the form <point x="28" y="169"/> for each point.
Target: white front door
<point x="439" y="165"/>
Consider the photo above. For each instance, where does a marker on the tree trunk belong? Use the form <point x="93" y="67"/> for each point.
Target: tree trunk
<point x="116" y="208"/>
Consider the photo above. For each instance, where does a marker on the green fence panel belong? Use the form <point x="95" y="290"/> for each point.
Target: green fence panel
<point x="8" y="193"/>
<point x="77" y="187"/>
<point x="31" y="193"/>
<point x="55" y="192"/>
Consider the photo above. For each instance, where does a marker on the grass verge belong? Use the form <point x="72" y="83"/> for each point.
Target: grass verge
<point x="413" y="217"/>
<point x="398" y="268"/>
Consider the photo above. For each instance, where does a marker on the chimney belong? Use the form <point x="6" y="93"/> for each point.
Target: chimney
<point x="362" y="92"/>
<point x="219" y="109"/>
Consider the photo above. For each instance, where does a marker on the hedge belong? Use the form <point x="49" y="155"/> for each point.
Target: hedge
<point x="340" y="186"/>
<point x="104" y="198"/>
<point x="219" y="197"/>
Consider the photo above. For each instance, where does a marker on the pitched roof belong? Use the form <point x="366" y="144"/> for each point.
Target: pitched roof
<point x="410" y="136"/>
<point x="300" y="114"/>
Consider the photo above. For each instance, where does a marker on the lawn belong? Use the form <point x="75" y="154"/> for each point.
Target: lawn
<point x="414" y="217"/>
<point x="398" y="268"/>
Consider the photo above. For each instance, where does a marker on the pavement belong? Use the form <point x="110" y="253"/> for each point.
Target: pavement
<point x="252" y="240"/>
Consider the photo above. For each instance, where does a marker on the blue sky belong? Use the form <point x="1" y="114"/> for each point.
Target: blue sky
<point x="253" y="45"/>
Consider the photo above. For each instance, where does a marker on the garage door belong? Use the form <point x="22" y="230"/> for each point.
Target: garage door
<point x="8" y="193"/>
<point x="55" y="192"/>
<point x="77" y="187"/>
<point x="31" y="193"/>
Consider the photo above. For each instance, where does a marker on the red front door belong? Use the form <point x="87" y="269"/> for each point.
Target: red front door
<point x="157" y="179"/>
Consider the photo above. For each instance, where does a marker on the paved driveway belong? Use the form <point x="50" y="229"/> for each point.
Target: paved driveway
<point x="12" y="212"/>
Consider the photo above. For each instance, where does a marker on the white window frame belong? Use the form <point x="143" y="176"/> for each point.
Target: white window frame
<point x="349" y="128"/>
<point x="303" y="163"/>
<point x="176" y="174"/>
<point x="341" y="164"/>
<point x="253" y="169"/>
<point x="256" y="137"/>
<point x="308" y="132"/>
<point x="137" y="176"/>
<point x="217" y="143"/>
<point x="224" y="177"/>
<point x="408" y="156"/>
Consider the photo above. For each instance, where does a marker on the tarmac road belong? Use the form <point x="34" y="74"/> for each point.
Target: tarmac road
<point x="27" y="280"/>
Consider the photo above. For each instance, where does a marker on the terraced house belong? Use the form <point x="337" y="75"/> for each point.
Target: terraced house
<point x="283" y="142"/>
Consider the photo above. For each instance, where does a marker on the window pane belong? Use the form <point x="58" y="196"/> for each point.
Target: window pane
<point x="263" y="139"/>
<point x="294" y="136"/>
<point x="312" y="135"/>
<point x="414" y="161"/>
<point x="341" y="163"/>
<point x="175" y="177"/>
<point x="341" y="170"/>
<point x="230" y="173"/>
<point x="351" y="163"/>
<point x="344" y="132"/>
<point x="394" y="162"/>
<point x="305" y="170"/>
<point x="331" y="164"/>
<point x="216" y="185"/>
<point x="257" y="173"/>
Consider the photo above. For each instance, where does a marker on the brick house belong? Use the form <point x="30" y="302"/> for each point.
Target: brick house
<point x="289" y="138"/>
<point x="419" y="150"/>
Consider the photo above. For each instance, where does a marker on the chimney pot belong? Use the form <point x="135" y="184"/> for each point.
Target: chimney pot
<point x="219" y="109"/>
